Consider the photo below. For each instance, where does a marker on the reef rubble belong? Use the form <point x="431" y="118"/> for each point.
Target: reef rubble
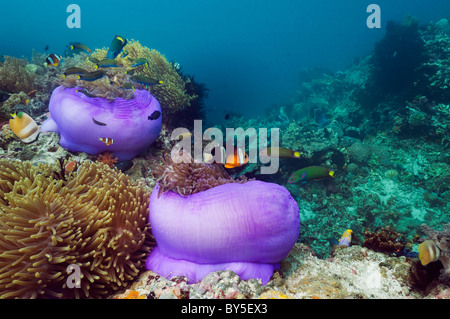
<point x="352" y="273"/>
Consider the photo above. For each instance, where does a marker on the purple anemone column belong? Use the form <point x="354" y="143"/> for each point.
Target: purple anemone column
<point x="247" y="228"/>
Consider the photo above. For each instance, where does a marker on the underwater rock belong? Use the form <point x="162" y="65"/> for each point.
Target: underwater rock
<point x="443" y="25"/>
<point x="94" y="125"/>
<point x="247" y="228"/>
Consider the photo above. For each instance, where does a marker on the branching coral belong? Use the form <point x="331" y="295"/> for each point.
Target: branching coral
<point x="94" y="218"/>
<point x="186" y="177"/>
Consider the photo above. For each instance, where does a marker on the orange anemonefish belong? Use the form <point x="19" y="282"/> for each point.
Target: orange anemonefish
<point x="53" y="59"/>
<point x="238" y="158"/>
<point x="70" y="167"/>
<point x="107" y="140"/>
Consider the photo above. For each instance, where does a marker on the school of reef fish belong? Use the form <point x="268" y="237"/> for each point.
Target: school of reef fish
<point x="359" y="207"/>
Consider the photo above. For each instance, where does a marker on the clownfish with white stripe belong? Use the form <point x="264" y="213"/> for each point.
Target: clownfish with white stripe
<point x="52" y="59"/>
<point x="238" y="158"/>
<point x="107" y="140"/>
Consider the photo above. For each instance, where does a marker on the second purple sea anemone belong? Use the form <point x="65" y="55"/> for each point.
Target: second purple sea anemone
<point x="247" y="227"/>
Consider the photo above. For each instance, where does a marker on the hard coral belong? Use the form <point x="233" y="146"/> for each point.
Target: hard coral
<point x="396" y="60"/>
<point x="94" y="218"/>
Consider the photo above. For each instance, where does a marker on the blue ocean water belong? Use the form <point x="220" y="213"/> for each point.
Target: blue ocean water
<point x="248" y="53"/>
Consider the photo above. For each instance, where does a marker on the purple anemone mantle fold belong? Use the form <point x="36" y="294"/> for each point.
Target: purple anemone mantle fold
<point x="247" y="228"/>
<point x="89" y="124"/>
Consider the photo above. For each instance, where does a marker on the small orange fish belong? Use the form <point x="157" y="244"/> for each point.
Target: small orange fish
<point x="238" y="158"/>
<point x="70" y="167"/>
<point x="133" y="294"/>
<point x="107" y="140"/>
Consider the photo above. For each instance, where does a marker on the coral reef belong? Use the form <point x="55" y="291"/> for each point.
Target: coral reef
<point x="11" y="104"/>
<point x="396" y="62"/>
<point x="381" y="125"/>
<point x="390" y="154"/>
<point x="94" y="218"/>
<point x="352" y="273"/>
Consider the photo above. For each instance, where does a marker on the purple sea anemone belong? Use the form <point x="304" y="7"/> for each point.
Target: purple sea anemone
<point x="95" y="125"/>
<point x="247" y="227"/>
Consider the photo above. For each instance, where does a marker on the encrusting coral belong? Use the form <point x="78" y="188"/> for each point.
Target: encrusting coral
<point x="94" y="218"/>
